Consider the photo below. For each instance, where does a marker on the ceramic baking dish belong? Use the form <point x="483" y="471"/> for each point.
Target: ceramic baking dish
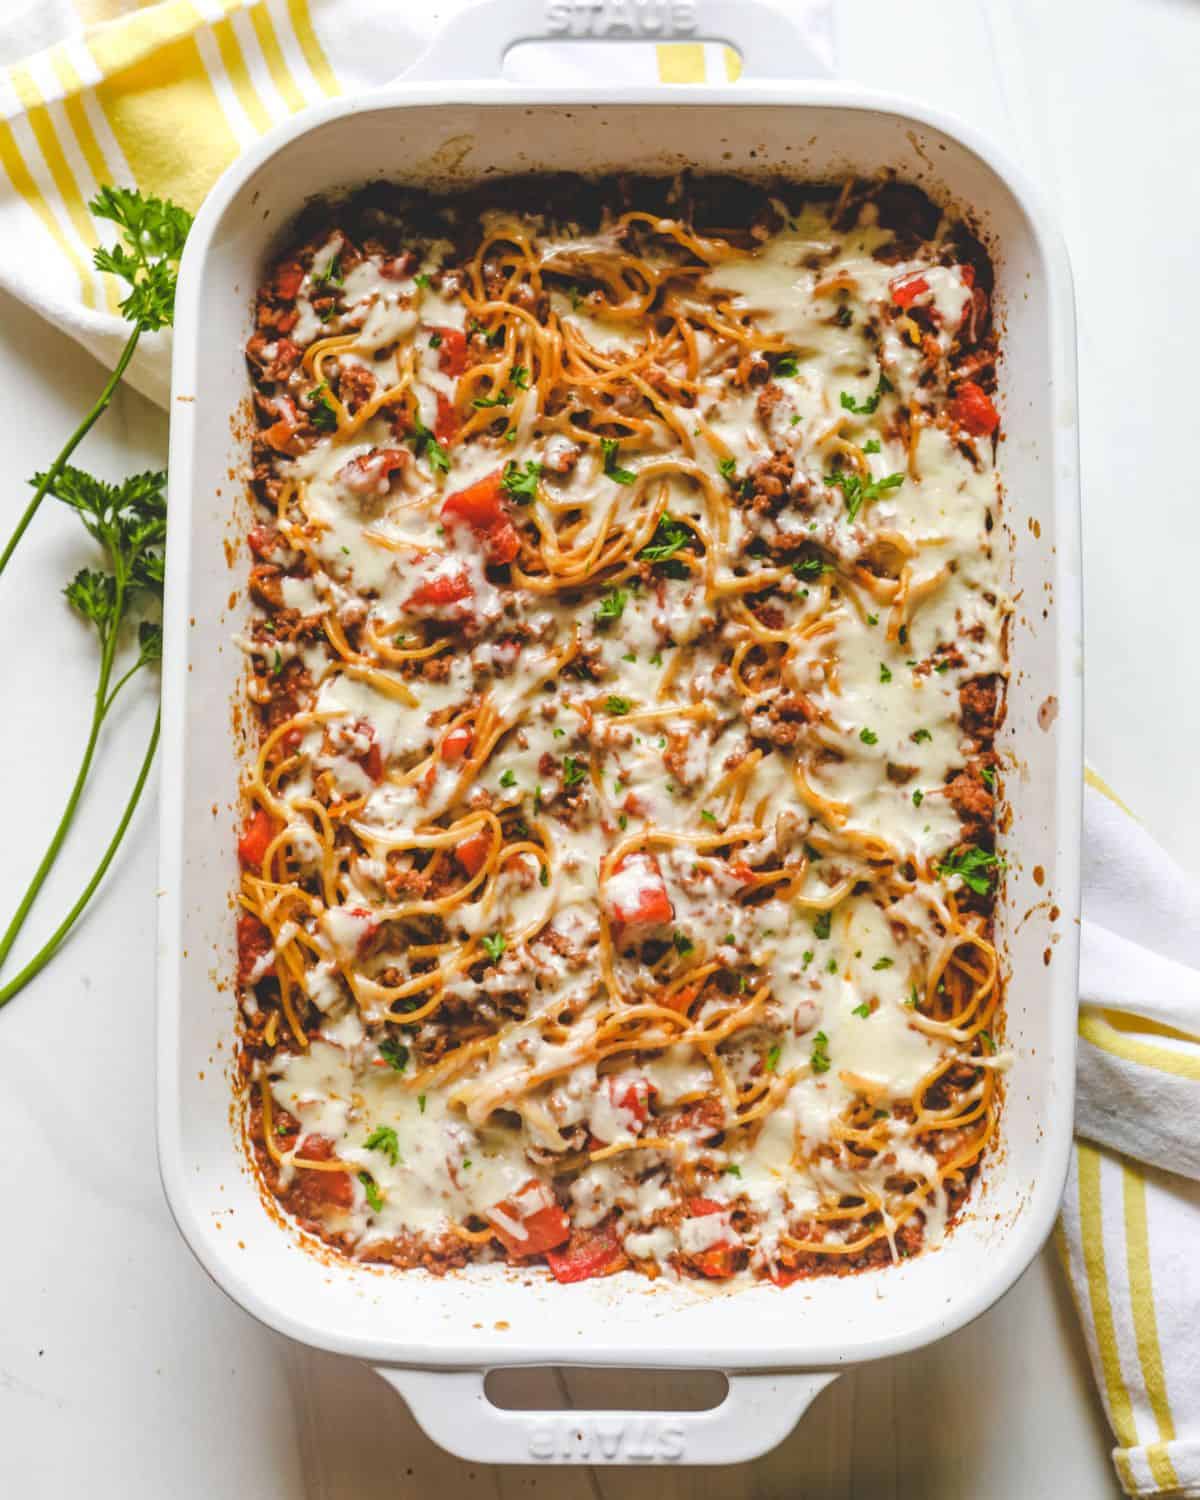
<point x="435" y="1339"/>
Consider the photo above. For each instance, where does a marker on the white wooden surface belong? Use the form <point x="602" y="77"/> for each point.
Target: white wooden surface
<point x="123" y="1372"/>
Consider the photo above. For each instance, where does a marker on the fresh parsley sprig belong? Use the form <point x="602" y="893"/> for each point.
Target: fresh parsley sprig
<point x="146" y="256"/>
<point x="129" y="522"/>
<point x="856" y="493"/>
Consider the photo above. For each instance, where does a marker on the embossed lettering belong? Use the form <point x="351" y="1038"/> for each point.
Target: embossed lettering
<point x="619" y="18"/>
<point x="670" y="1442"/>
<point x="541" y="1443"/>
<point x="558" y="15"/>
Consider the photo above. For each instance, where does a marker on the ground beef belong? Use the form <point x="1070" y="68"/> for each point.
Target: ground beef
<point x="768" y="483"/>
<point x="266" y="585"/>
<point x="974" y="804"/>
<point x="978" y="701"/>
<point x="768" y="399"/>
<point x="355" y="387"/>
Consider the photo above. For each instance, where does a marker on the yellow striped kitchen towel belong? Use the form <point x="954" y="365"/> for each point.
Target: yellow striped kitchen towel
<point x="164" y="96"/>
<point x="1129" y="1235"/>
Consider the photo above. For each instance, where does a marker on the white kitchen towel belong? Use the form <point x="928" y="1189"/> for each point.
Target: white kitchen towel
<point x="164" y="96"/>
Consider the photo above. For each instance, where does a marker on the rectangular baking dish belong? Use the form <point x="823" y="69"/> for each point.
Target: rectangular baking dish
<point x="436" y="1338"/>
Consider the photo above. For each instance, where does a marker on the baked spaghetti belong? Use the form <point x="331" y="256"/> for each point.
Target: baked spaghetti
<point x="619" y="858"/>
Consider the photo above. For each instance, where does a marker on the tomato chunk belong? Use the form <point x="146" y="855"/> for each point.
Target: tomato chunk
<point x="322" y="1189"/>
<point x="287" y="279"/>
<point x="632" y="1095"/>
<point x="452" y="351"/>
<point x="481" y="506"/>
<point x="530" y="1222"/>
<point x="456" y="744"/>
<point x="471" y="855"/>
<point x="906" y="290"/>
<point x="255" y="839"/>
<point x="972" y="409"/>
<point x="442" y="589"/>
<point x="785" y="1275"/>
<point x="371" y="473"/>
<point x="589" y="1253"/>
<point x="263" y="540"/>
<point x="637" y="893"/>
<point x="253" y="941"/>
<point x="447" y="424"/>
<point x="372" y="762"/>
<point x="717" y="1263"/>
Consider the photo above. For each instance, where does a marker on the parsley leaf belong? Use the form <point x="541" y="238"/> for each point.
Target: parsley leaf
<point x="494" y="945"/>
<point x="819" y="1061"/>
<point x="508" y="778"/>
<point x="863" y="1010"/>
<point x="732" y="1170"/>
<point x="866" y="408"/>
<point x="395" y="1053"/>
<point x="683" y="943"/>
<point x="771" y="1061"/>
<point x="614" y="704"/>
<point x="374" y="1196"/>
<point x="885" y="672"/>
<point x="786" y="365"/>
<point x="520" y="484"/>
<point x="728" y="468"/>
<point x="670" y="536"/>
<point x="153" y="231"/>
<point x="920" y="734"/>
<point x="573" y="771"/>
<point x="424" y="442"/>
<point x="883" y="963"/>
<point x="972" y="865"/>
<point x="823" y="924"/>
<point x="868" y="736"/>
<point x="612" y="606"/>
<point x="856" y="493"/>
<point x="609" y="447"/>
<point x="501" y="398"/>
<point x="988" y="777"/>
<point x="383" y="1138"/>
<point x="917" y="798"/>
<point x="332" y="274"/>
<point x="321" y="413"/>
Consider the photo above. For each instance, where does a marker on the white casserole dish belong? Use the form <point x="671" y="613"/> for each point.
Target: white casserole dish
<point x="435" y="1339"/>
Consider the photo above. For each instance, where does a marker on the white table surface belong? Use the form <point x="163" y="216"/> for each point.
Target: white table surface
<point x="123" y="1371"/>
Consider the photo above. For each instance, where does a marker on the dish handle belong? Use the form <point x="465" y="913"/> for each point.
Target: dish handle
<point x="473" y="43"/>
<point x="758" y="1412"/>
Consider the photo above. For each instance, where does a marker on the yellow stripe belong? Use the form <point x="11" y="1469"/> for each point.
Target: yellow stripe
<point x="1093" y="1028"/>
<point x="681" y="62"/>
<point x="1092" y="1234"/>
<point x="168" y="121"/>
<point x="239" y="76"/>
<point x="311" y="48"/>
<point x="61" y="175"/>
<point x="277" y="66"/>
<point x="81" y="126"/>
<point x="1105" y="790"/>
<point x="733" y="65"/>
<point x="19" y="175"/>
<point x="1119" y="1020"/>
<point x="1125" y="1472"/>
<point x="1145" y="1324"/>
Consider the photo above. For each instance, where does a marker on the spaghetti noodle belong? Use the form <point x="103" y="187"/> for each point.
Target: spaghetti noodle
<point x="619" y="859"/>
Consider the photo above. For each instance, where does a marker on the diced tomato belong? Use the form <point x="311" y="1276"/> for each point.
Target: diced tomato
<point x="534" y="1212"/>
<point x="482" y="507"/>
<point x="472" y="853"/>
<point x="287" y="279"/>
<point x="442" y="589"/>
<point x="967" y="272"/>
<point x="263" y="540"/>
<point x="279" y="435"/>
<point x="256" y="836"/>
<point x="372" y="762"/>
<point x="589" y="1253"/>
<point x="447" y="424"/>
<point x="742" y="872"/>
<point x="253" y="941"/>
<point x="906" y="290"/>
<point x="456" y="744"/>
<point x="700" y="1207"/>
<point x="452" y="351"/>
<point x="716" y="1263"/>
<point x="972" y="409"/>
<point x="371" y="473"/>
<point x="323" y="1189"/>
<point x="681" y="999"/>
<point x="784" y="1275"/>
<point x="632" y="1095"/>
<point x="637" y="893"/>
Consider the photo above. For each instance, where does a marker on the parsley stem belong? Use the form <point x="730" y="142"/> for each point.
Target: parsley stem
<point x="99" y="711"/>
<point x="72" y="443"/>
<point x="52" y="944"/>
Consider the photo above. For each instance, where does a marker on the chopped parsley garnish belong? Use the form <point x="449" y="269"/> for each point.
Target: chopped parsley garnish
<point x="508" y="778"/>
<point x="435" y="340"/>
<point x="422" y="280"/>
<point x="819" y="1061"/>
<point x="856" y="493"/>
<point x="885" y="672"/>
<point x="867" y="407"/>
<point x="573" y="772"/>
<point x="863" y="1010"/>
<point x="732" y="1170"/>
<point x="812" y="567"/>
<point x="321" y="414"/>
<point x="609" y="447"/>
<point x="843" y="317"/>
<point x="374" y="1196"/>
<point x="986" y="1038"/>
<point x="972" y="864"/>
<point x="521" y="484"/>
<point x="332" y="274"/>
<point x="917" y="798"/>
<point x="519" y="378"/>
<point x="920" y="734"/>
<point x="614" y="704"/>
<point x="395" y="1054"/>
<point x="612" y="606"/>
<point x="669" y="536"/>
<point x="708" y="816"/>
<point x="822" y="924"/>
<point x="868" y="736"/>
<point x="622" y="822"/>
<point x="383" y="1138"/>
<point x="501" y="398"/>
<point x="421" y="1103"/>
<point x="882" y="963"/>
<point x="494" y="945"/>
<point x="728" y="468"/>
<point x="913" y="998"/>
<point x="871" y="446"/>
<point x="424" y="442"/>
<point x="683" y="943"/>
<point x="771" y="1061"/>
<point x="831" y="967"/>
<point x="988" y="777"/>
<point x="278" y="666"/>
<point x="786" y="365"/>
<point x="872" y="619"/>
<point x="656" y="659"/>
